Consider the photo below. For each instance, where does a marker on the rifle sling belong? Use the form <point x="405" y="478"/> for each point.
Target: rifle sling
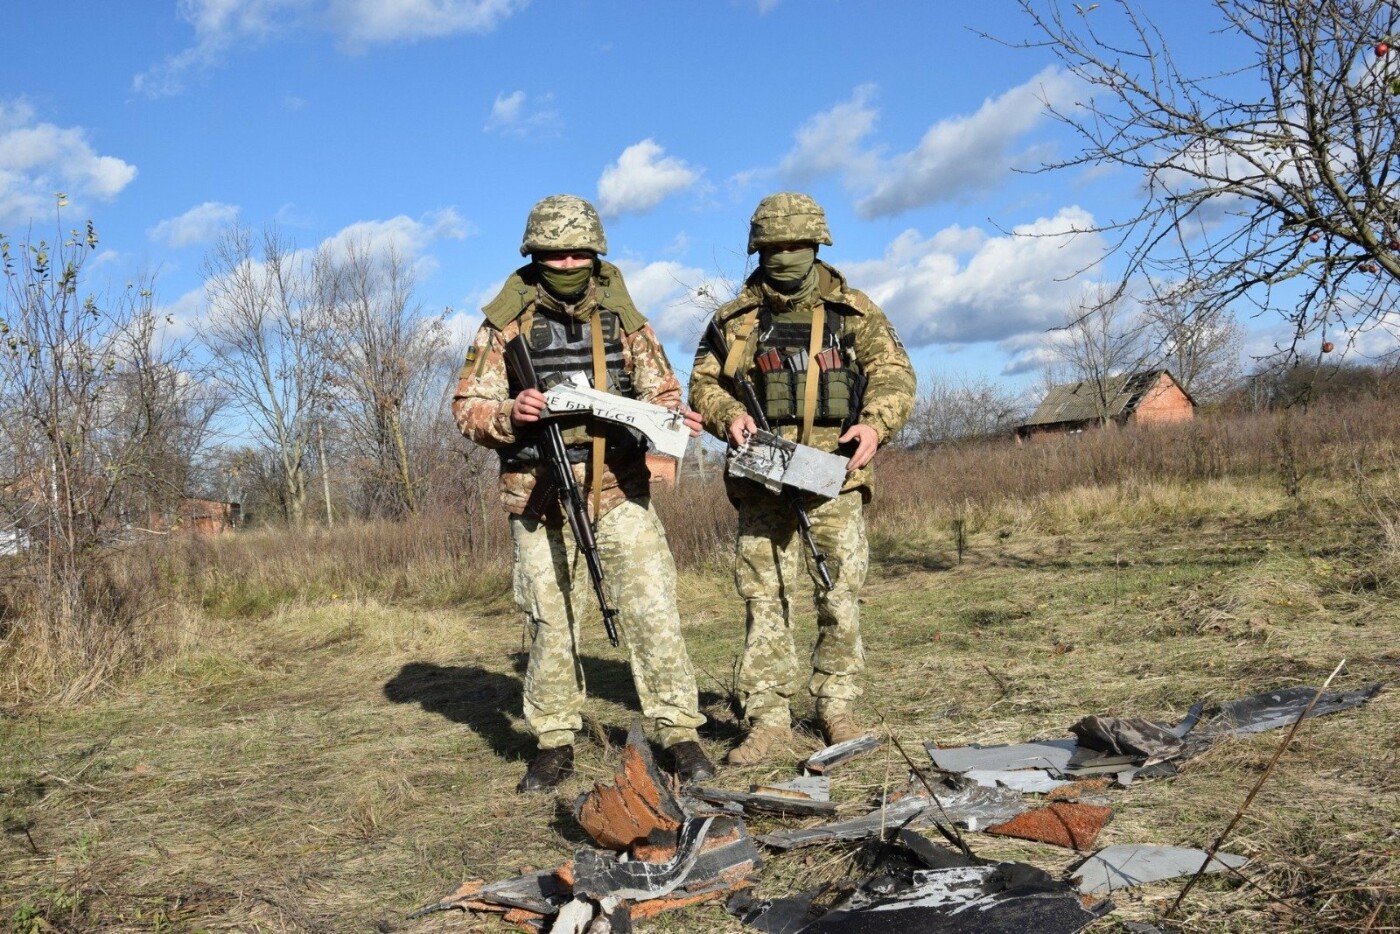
<point x="813" y="374"/>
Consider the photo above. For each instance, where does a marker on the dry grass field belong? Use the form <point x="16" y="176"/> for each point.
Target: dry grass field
<point x="333" y="739"/>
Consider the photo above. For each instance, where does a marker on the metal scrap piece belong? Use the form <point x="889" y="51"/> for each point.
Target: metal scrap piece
<point x="1127" y="864"/>
<point x="542" y="892"/>
<point x="969" y="804"/>
<point x="794" y="803"/>
<point x="573" y="918"/>
<point x="1273" y="709"/>
<point x="1064" y="823"/>
<point x="776" y="915"/>
<point x="599" y="874"/>
<point x="816" y="787"/>
<point x="1052" y="754"/>
<point x="931" y="854"/>
<point x="894" y="814"/>
<point x="775" y="462"/>
<point x="712" y="855"/>
<point x="1026" y="781"/>
<point x="833" y="756"/>
<point x="996" y="899"/>
<point x="638" y="802"/>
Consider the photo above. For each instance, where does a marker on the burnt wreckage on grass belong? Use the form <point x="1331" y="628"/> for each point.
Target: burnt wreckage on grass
<point x="659" y="850"/>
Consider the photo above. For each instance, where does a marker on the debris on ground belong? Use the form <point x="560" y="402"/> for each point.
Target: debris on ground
<point x="1125" y="865"/>
<point x="961" y="900"/>
<point x="638" y="802"/>
<point x="796" y="803"/>
<point x="1064" y="823"/>
<point x="966" y="804"/>
<point x="658" y="852"/>
<point x="830" y="757"/>
<point x="816" y="787"/>
<point x="1129" y="748"/>
<point x="1050" y="754"/>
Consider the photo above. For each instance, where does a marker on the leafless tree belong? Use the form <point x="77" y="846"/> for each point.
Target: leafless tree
<point x="268" y="315"/>
<point x="1270" y="179"/>
<point x="1102" y="338"/>
<point x="953" y="408"/>
<point x="388" y="368"/>
<point x="1199" y="344"/>
<point x="97" y="414"/>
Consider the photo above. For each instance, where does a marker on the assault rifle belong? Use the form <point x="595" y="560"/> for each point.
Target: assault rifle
<point x="714" y="336"/>
<point x="571" y="500"/>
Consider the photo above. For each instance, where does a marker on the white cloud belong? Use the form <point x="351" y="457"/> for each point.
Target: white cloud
<point x="199" y="224"/>
<point x="831" y="141"/>
<point x="185" y="316"/>
<point x="39" y="159"/>
<point x="963" y="155"/>
<point x="366" y="22"/>
<point x="641" y="178"/>
<point x="514" y="114"/>
<point x="403" y="235"/>
<point x="222" y="25"/>
<point x="765" y="5"/>
<point x="962" y="285"/>
<point x="957" y="157"/>
<point x="218" y="26"/>
<point x="666" y="292"/>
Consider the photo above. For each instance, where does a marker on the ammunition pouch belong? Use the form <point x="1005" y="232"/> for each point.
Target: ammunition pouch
<point x="784" y="392"/>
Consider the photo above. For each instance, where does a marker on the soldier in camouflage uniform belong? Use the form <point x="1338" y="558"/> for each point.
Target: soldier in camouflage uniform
<point x="794" y="319"/>
<point x="577" y="316"/>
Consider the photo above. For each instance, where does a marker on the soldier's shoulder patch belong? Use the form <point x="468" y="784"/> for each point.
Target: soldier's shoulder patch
<point x="894" y="336"/>
<point x="472" y="354"/>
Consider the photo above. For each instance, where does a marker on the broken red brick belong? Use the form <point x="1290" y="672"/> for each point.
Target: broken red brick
<point x="1065" y="824"/>
<point x="639" y="802"/>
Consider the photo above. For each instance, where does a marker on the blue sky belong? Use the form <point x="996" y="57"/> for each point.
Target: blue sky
<point x="436" y="124"/>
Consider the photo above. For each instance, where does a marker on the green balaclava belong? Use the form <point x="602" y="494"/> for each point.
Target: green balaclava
<point x="787" y="271"/>
<point x="566" y="284"/>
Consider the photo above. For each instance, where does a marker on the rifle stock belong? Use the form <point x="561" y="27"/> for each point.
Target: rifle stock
<point x="571" y="499"/>
<point x="714" y="336"/>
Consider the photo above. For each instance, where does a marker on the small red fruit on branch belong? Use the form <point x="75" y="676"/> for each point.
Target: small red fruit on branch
<point x="1326" y="346"/>
<point x="1382" y="49"/>
<point x="1314" y="237"/>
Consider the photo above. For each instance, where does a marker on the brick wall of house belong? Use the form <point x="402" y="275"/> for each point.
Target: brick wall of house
<point x="1164" y="403"/>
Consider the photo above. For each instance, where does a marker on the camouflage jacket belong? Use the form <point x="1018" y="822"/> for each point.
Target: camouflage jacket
<point x="879" y="354"/>
<point x="482" y="404"/>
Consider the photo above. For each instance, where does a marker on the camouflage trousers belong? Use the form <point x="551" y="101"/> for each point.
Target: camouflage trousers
<point x="772" y="567"/>
<point x="641" y="582"/>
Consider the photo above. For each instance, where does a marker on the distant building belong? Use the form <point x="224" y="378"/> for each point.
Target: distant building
<point x="1151" y="397"/>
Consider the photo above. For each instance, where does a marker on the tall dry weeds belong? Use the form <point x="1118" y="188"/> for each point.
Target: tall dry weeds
<point x="132" y="604"/>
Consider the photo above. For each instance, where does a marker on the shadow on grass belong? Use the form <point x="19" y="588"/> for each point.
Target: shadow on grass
<point x="484" y="700"/>
<point x="476" y="697"/>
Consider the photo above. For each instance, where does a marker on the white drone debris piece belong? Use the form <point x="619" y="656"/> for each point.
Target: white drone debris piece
<point x="664" y="428"/>
<point x="776" y="462"/>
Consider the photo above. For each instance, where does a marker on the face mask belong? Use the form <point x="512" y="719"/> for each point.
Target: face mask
<point x="565" y="283"/>
<point x="786" y="271"/>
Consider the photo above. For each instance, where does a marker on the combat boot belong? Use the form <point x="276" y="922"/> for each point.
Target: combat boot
<point x="690" y="763"/>
<point x="765" y="740"/>
<point x="547" y="769"/>
<point x="840" y="727"/>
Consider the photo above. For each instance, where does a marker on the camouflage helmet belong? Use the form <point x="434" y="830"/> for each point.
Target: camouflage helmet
<point x="563" y="222"/>
<point x="787" y="217"/>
